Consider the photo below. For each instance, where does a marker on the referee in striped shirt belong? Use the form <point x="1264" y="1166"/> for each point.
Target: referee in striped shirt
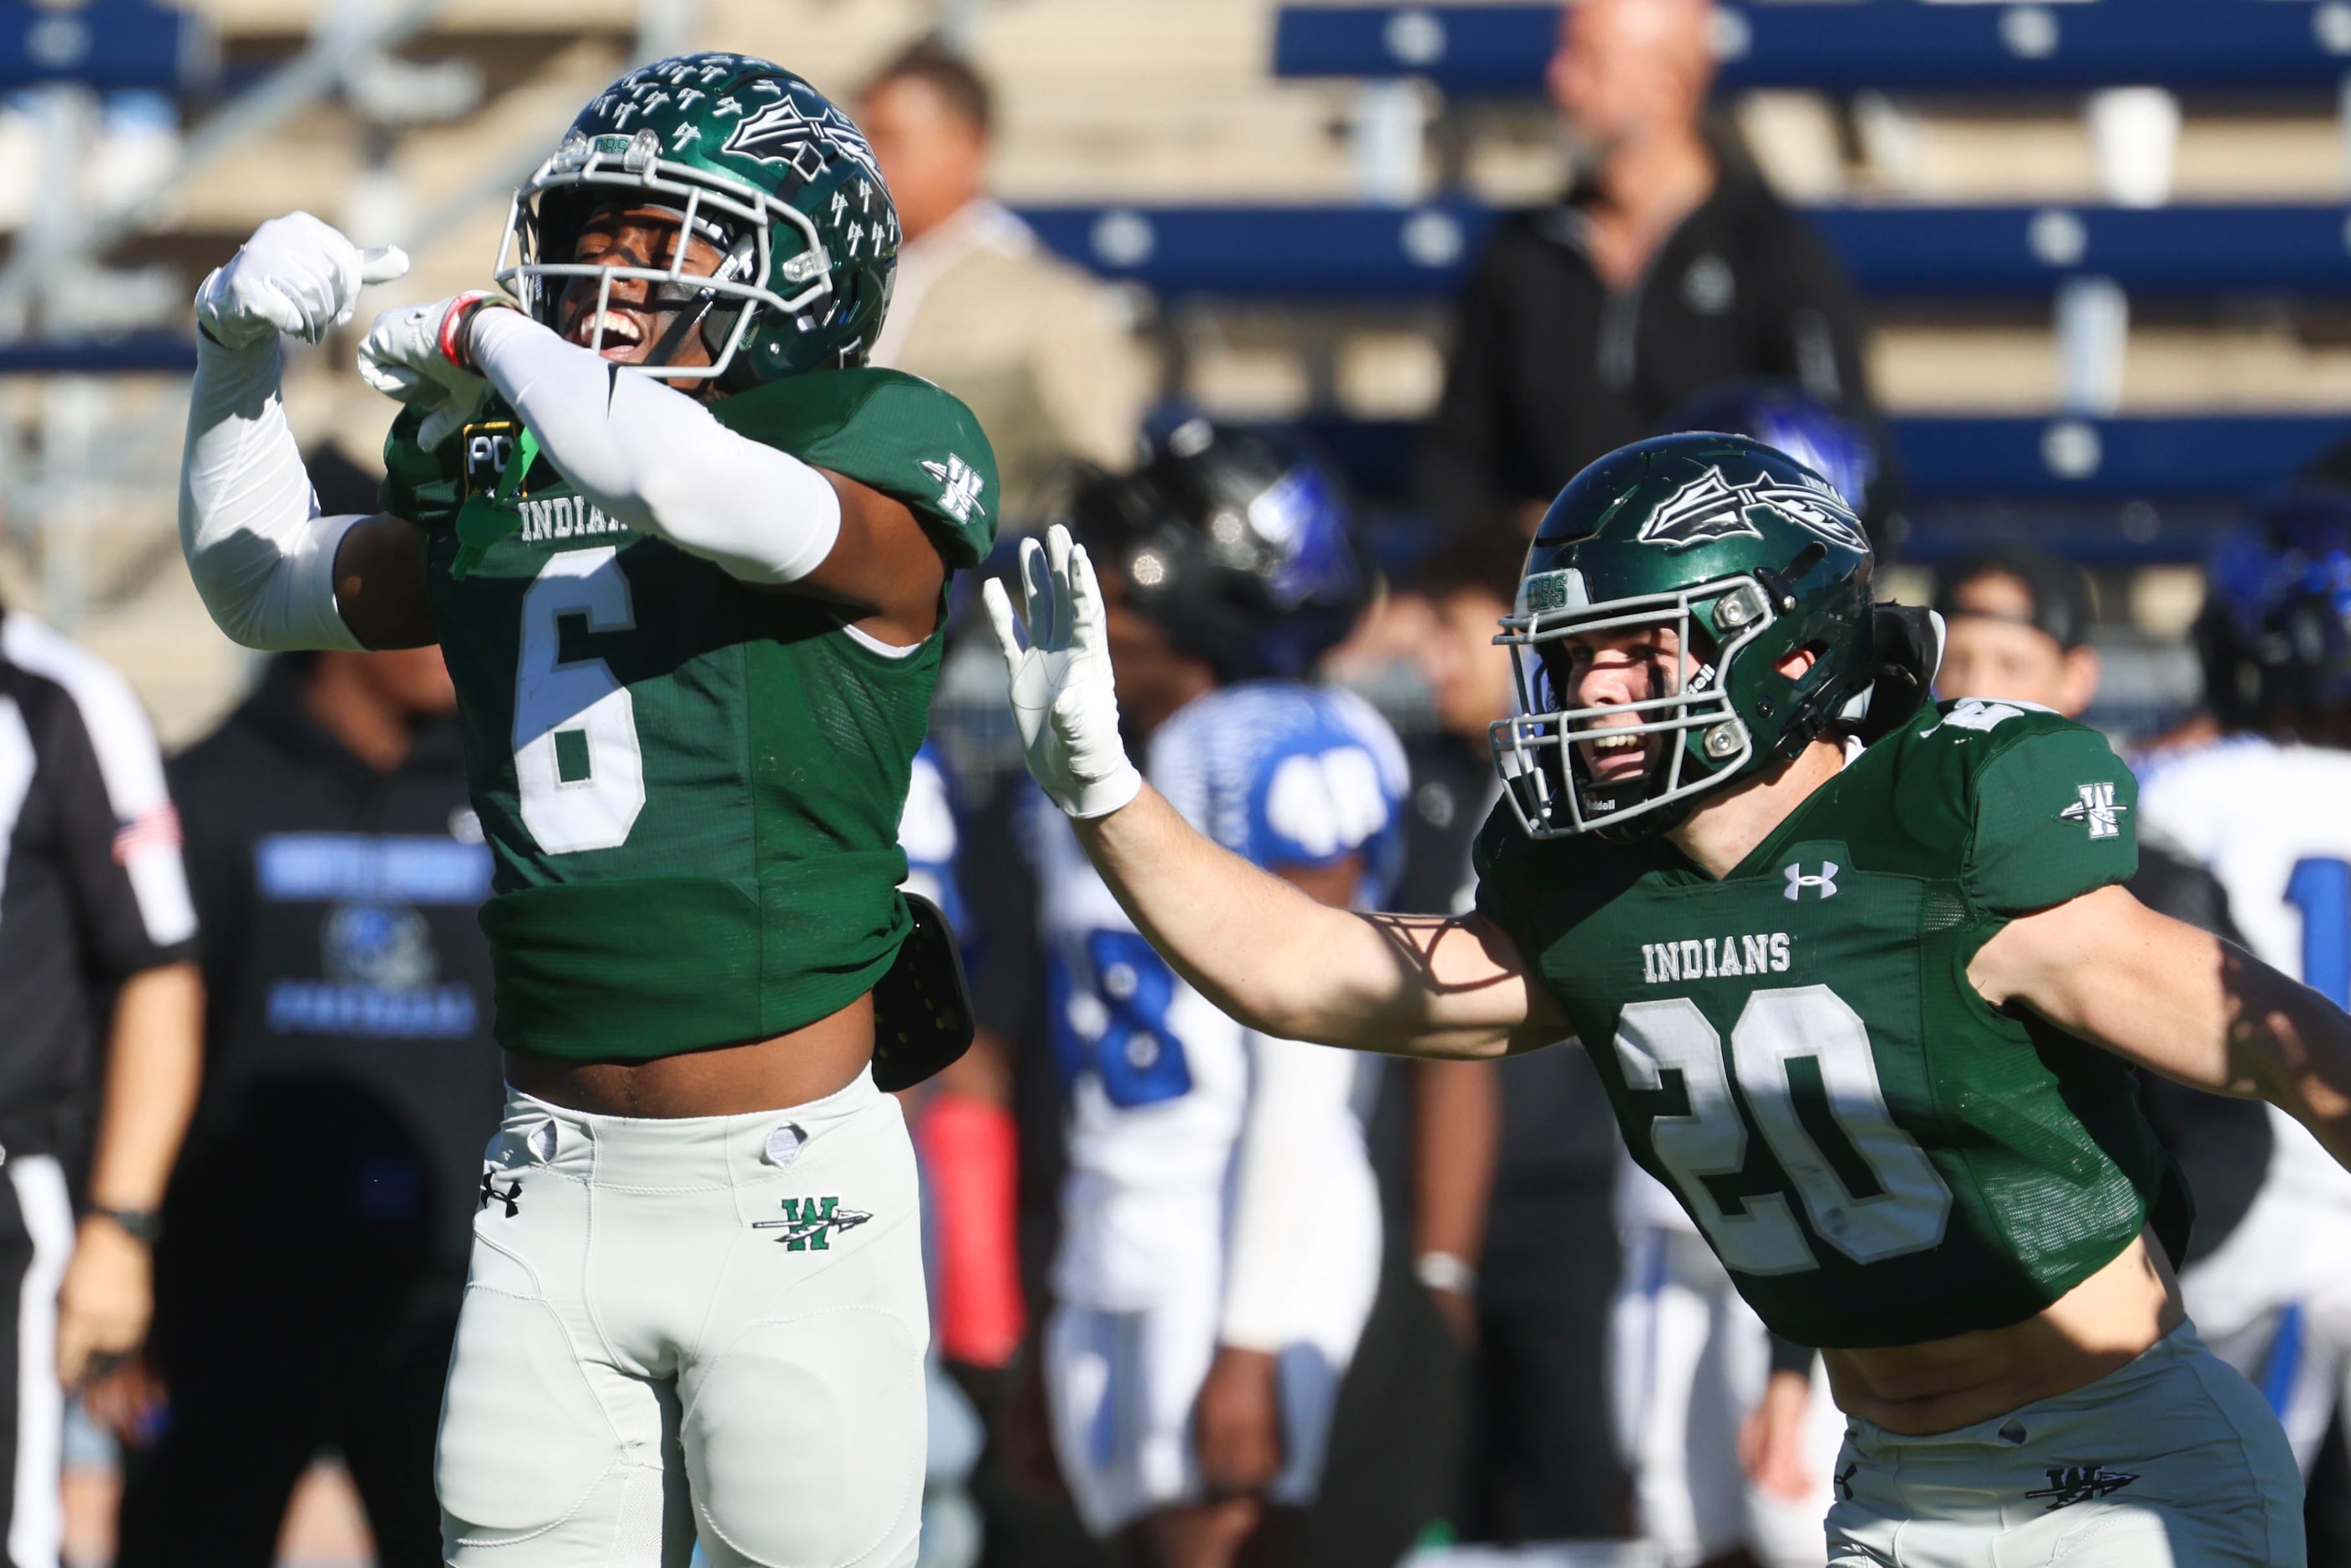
<point x="100" y="1046"/>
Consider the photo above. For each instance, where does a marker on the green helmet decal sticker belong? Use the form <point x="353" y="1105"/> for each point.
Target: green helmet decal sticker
<point x="1711" y="507"/>
<point x="786" y="133"/>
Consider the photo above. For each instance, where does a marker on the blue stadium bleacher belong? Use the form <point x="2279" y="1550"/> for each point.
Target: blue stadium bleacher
<point x="1358" y="252"/>
<point x="109" y="45"/>
<point x="1889" y="45"/>
<point x="1366" y="253"/>
<point x="1972" y="459"/>
<point x="149" y="354"/>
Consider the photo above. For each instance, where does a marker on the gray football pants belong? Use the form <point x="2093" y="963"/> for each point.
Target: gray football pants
<point x="708" y="1326"/>
<point x="2172" y="1461"/>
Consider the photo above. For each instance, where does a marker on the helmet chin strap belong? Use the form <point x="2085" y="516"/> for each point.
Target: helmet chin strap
<point x="737" y="260"/>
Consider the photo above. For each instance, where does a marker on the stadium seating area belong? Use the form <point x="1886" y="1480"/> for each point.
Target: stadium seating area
<point x="1295" y="189"/>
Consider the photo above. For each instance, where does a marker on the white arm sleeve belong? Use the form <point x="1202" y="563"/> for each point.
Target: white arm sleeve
<point x="656" y="461"/>
<point x="1297" y="1093"/>
<point x="262" y="557"/>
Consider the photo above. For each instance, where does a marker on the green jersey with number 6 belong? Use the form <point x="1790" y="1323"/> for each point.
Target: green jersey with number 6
<point x="692" y="785"/>
<point x="1878" y="1155"/>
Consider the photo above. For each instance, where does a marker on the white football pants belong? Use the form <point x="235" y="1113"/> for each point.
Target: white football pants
<point x="708" y="1326"/>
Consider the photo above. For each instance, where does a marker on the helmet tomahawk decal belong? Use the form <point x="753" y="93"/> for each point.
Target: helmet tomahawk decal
<point x="1711" y="507"/>
<point x="784" y="132"/>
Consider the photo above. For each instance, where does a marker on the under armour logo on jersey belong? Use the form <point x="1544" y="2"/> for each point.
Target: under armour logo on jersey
<point x="2097" y="808"/>
<point x="2070" y="1484"/>
<point x="960" y="498"/>
<point x="1825" y="881"/>
<point x="510" y="1197"/>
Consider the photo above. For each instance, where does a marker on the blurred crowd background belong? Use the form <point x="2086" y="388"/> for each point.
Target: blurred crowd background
<point x="2075" y="278"/>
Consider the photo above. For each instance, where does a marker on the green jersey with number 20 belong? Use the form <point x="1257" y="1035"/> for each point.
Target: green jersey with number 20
<point x="692" y="785"/>
<point x="1877" y="1155"/>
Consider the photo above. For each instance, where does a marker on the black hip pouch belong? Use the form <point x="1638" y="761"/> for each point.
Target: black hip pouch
<point x="922" y="1020"/>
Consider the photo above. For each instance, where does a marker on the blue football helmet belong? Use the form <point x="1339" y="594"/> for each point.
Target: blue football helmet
<point x="1239" y="546"/>
<point x="1781" y="414"/>
<point x="2275" y="631"/>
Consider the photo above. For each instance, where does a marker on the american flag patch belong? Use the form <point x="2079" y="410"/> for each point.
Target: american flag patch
<point x="156" y="829"/>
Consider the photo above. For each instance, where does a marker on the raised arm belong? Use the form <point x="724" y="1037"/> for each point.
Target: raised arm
<point x="1260" y="949"/>
<point x="2179" y="1001"/>
<point x="658" y="462"/>
<point x="272" y="571"/>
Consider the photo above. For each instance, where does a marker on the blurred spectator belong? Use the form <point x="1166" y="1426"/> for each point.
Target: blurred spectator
<point x="319" y="1224"/>
<point x="1038" y="350"/>
<point x="95" y="919"/>
<point x="1668" y="267"/>
<point x="2017" y="627"/>
<point x="1540" y="1463"/>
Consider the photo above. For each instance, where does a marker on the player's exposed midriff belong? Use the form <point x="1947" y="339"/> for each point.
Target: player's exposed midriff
<point x="792" y="1069"/>
<point x="2099" y="1325"/>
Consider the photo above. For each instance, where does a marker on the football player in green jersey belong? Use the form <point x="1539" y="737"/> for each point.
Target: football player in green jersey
<point x="687" y="560"/>
<point x="1857" y="973"/>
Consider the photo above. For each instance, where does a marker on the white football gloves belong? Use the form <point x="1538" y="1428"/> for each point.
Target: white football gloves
<point x="296" y="275"/>
<point x="1062" y="696"/>
<point x="410" y="355"/>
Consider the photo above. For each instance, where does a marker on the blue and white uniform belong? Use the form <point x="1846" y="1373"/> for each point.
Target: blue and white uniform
<point x="1687" y="1361"/>
<point x="927" y="833"/>
<point x="2274" y="1299"/>
<point x="1219" y="1191"/>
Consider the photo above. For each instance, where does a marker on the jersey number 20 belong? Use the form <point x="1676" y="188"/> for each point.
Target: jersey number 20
<point x="579" y="769"/>
<point x="1868" y="1189"/>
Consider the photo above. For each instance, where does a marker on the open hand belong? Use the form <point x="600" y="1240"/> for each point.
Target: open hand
<point x="1062" y="695"/>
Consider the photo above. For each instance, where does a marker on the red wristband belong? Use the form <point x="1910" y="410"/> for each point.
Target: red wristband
<point x="453" y="321"/>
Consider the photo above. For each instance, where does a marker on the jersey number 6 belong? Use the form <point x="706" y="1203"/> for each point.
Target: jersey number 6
<point x="1868" y="1189"/>
<point x="579" y="769"/>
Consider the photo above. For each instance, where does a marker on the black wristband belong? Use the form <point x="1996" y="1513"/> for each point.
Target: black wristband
<point x="1789" y="1356"/>
<point x="138" y="1224"/>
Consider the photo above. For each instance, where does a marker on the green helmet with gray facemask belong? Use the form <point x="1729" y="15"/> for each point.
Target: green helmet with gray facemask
<point x="1746" y="557"/>
<point x="755" y="161"/>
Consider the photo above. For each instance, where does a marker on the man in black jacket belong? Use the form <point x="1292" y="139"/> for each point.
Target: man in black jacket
<point x="318" y="1227"/>
<point x="1667" y="268"/>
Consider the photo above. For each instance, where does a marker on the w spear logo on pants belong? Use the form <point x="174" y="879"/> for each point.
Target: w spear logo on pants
<point x="808" y="1223"/>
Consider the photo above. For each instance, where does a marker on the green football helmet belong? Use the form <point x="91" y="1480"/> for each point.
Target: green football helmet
<point x="754" y="160"/>
<point x="1746" y="557"/>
